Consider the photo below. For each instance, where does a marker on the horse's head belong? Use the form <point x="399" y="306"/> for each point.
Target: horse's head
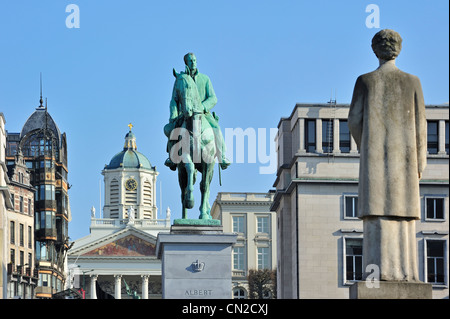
<point x="187" y="93"/>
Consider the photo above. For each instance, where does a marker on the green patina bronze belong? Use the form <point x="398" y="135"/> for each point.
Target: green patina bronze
<point x="197" y="222"/>
<point x="195" y="138"/>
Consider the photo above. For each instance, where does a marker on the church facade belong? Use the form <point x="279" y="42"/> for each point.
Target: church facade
<point x="117" y="259"/>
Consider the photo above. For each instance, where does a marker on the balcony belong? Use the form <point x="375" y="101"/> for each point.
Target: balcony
<point x="238" y="273"/>
<point x="23" y="271"/>
<point x="119" y="223"/>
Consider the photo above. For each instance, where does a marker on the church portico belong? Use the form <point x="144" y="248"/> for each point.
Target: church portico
<point x="123" y="266"/>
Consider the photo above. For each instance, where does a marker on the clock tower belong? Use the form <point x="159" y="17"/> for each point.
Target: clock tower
<point x="130" y="182"/>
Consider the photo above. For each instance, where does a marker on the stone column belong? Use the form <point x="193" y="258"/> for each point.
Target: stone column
<point x="336" y="129"/>
<point x="118" y="287"/>
<point x="145" y="286"/>
<point x="441" y="138"/>
<point x="301" y="135"/>
<point x="93" y="286"/>
<point x="353" y="146"/>
<point x="319" y="136"/>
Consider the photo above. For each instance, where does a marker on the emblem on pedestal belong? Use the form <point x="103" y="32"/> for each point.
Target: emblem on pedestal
<point x="197" y="266"/>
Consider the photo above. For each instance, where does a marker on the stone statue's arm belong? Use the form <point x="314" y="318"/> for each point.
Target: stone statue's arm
<point x="421" y="128"/>
<point x="355" y="115"/>
<point x="211" y="98"/>
<point x="173" y="106"/>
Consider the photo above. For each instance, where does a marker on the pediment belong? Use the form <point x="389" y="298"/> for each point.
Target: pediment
<point x="129" y="245"/>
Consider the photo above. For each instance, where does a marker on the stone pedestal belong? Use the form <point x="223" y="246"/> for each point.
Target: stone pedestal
<point x="196" y="262"/>
<point x="391" y="290"/>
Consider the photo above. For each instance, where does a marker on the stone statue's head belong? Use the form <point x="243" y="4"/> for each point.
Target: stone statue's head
<point x="387" y="44"/>
<point x="191" y="61"/>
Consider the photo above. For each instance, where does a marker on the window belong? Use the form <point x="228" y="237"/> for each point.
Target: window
<point x="41" y="251"/>
<point x="43" y="280"/>
<point x="12" y="232"/>
<point x="30" y="209"/>
<point x="238" y="258"/>
<point x="37" y="220"/>
<point x="327" y="136"/>
<point x="47" y="192"/>
<point x="353" y="259"/>
<point x="263" y="224"/>
<point x="435" y="261"/>
<point x="49" y="220"/>
<point x="12" y="201"/>
<point x="351" y="206"/>
<point x="263" y="258"/>
<point x="310" y="136"/>
<point x="12" y="256"/>
<point x="446" y="137"/>
<point x="30" y="237"/>
<point x="21" y="204"/>
<point x="344" y="137"/>
<point x="21" y="258"/>
<point x="432" y="137"/>
<point x="45" y="220"/>
<point x="238" y="293"/>
<point x="21" y="235"/>
<point x="434" y="208"/>
<point x="238" y="224"/>
<point x="11" y="148"/>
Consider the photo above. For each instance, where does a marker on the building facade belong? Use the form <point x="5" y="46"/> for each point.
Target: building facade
<point x="5" y="205"/>
<point x="248" y="215"/>
<point x="22" y="273"/>
<point x="319" y="236"/>
<point x="117" y="259"/>
<point x="40" y="150"/>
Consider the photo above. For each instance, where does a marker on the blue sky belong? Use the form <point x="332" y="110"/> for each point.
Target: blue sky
<point x="263" y="57"/>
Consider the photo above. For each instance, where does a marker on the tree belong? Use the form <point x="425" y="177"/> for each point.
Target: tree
<point x="262" y="283"/>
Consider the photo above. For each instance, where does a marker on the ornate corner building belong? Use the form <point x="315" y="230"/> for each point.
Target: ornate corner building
<point x="36" y="162"/>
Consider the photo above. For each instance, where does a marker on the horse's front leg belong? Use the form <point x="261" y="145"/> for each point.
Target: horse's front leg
<point x="182" y="180"/>
<point x="207" y="174"/>
<point x="188" y="196"/>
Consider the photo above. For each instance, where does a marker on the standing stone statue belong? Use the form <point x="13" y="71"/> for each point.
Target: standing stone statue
<point x="387" y="121"/>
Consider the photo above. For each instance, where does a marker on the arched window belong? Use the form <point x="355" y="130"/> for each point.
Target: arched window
<point x="239" y="293"/>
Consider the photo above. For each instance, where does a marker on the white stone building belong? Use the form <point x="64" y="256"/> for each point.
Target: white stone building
<point x="117" y="259"/>
<point x="5" y="204"/>
<point x="248" y="215"/>
<point x="319" y="237"/>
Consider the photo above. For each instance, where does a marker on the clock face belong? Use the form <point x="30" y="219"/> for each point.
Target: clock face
<point x="131" y="184"/>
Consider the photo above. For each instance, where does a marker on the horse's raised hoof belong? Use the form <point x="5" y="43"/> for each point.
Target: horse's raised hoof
<point x="170" y="164"/>
<point x="225" y="163"/>
<point x="189" y="203"/>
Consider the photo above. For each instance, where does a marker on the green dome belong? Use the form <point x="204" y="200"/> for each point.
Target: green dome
<point x="129" y="157"/>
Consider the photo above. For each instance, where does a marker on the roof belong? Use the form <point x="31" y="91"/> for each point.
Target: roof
<point x="129" y="157"/>
<point x="40" y="119"/>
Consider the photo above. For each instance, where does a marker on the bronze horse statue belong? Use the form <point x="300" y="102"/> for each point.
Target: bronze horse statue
<point x="195" y="150"/>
